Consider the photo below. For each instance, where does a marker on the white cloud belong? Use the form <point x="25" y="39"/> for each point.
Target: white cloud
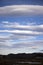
<point x="22" y="32"/>
<point x="18" y="10"/>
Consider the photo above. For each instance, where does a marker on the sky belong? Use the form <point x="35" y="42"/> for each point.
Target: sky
<point x="21" y="26"/>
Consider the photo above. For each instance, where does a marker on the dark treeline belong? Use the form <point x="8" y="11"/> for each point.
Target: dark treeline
<point x="11" y="59"/>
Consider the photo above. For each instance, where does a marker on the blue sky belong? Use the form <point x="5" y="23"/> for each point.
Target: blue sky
<point x="21" y="26"/>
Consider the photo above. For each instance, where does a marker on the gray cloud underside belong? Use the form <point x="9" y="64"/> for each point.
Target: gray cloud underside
<point x="19" y="10"/>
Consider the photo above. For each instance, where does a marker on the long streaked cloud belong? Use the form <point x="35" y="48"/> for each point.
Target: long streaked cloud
<point x="22" y="32"/>
<point x="18" y="10"/>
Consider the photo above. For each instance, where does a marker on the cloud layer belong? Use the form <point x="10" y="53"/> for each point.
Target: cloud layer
<point x="14" y="35"/>
<point x="17" y="31"/>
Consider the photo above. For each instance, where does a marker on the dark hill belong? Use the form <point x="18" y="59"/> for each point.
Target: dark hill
<point x="11" y="59"/>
